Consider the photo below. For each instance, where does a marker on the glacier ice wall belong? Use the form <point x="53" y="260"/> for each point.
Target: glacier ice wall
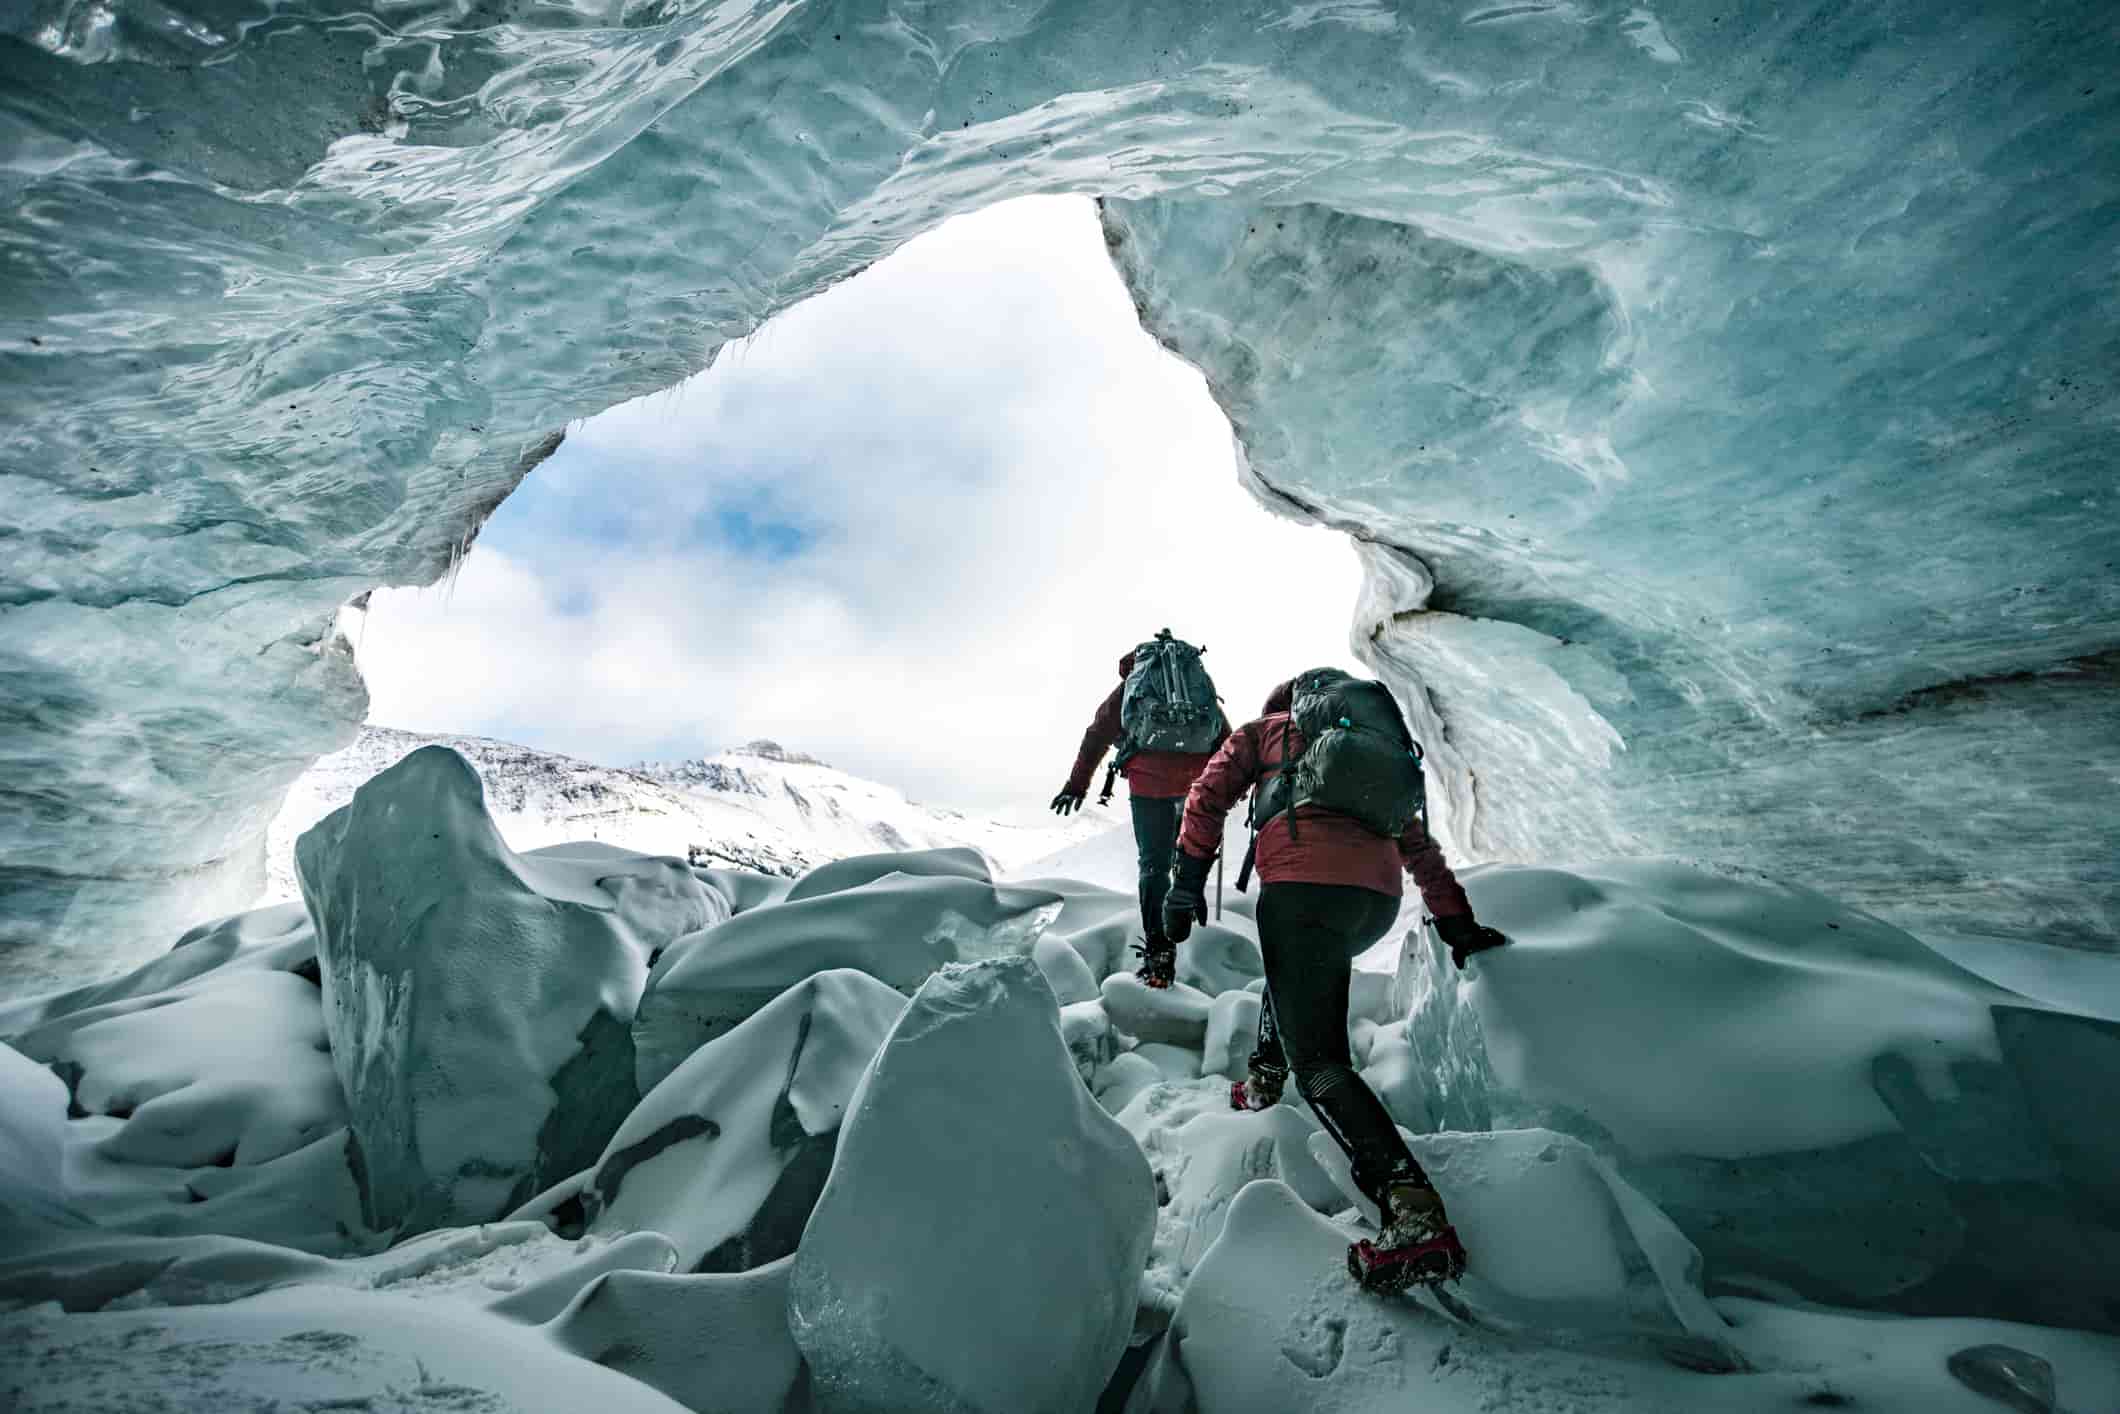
<point x="1725" y="401"/>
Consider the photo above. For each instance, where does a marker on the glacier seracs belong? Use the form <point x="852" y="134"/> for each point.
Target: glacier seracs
<point x="1715" y="1143"/>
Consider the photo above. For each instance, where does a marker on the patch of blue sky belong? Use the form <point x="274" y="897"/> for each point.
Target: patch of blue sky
<point x="759" y="534"/>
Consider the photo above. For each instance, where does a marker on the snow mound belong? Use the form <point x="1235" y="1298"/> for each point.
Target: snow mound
<point x="980" y="1252"/>
<point x="477" y="1000"/>
<point x="1270" y="1322"/>
<point x="1175" y="1015"/>
<point x="860" y="869"/>
<point x="716" y="1344"/>
<point x="1815" y="1096"/>
<point x="723" y="1163"/>
<point x="278" y="937"/>
<point x="897" y="926"/>
<point x="306" y="1348"/>
<point x="231" y="1070"/>
<point x="202" y="1095"/>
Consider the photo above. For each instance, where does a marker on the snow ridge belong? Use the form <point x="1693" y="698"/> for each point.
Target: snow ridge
<point x="760" y="807"/>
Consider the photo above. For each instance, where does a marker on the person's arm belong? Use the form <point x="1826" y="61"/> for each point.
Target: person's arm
<point x="1432" y="875"/>
<point x="1102" y="736"/>
<point x="1445" y="897"/>
<point x="1215" y="791"/>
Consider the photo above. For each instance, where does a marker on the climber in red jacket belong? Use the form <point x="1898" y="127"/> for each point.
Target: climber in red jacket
<point x="1330" y="888"/>
<point x="1157" y="782"/>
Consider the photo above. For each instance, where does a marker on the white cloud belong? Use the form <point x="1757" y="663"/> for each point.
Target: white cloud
<point x="910" y="526"/>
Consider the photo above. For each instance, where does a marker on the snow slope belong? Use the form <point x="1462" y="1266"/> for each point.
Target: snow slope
<point x="759" y="807"/>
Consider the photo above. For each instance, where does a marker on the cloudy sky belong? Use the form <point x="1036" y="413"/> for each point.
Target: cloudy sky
<point x="908" y="527"/>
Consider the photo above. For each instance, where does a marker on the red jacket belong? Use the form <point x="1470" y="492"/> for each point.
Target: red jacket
<point x="1327" y="848"/>
<point x="1152" y="775"/>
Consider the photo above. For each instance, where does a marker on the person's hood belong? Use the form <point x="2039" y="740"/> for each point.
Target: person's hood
<point x="1126" y="665"/>
<point x="1280" y="699"/>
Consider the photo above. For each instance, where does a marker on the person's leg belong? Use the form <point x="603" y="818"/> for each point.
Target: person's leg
<point x="1266" y="1072"/>
<point x="1268" y="1051"/>
<point x="1310" y="934"/>
<point x="1156" y="848"/>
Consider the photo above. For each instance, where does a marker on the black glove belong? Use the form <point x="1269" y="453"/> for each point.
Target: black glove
<point x="1187" y="899"/>
<point x="1068" y="799"/>
<point x="1467" y="936"/>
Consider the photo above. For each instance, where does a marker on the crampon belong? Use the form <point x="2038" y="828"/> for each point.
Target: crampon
<point x="1385" y="1270"/>
<point x="1159" y="965"/>
<point x="1260" y="1090"/>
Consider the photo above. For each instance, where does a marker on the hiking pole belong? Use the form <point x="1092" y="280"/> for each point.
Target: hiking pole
<point x="1218" y="886"/>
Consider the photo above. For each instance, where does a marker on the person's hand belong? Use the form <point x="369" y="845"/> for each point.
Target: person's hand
<point x="1068" y="800"/>
<point x="1465" y="936"/>
<point x="1182" y="907"/>
<point x="1186" y="903"/>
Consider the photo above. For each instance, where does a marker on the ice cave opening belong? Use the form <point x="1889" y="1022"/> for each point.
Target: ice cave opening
<point x="953" y="488"/>
<point x="1719" y="403"/>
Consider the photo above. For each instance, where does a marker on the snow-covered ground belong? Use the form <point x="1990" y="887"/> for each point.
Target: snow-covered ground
<point x="485" y="1128"/>
<point x="759" y="807"/>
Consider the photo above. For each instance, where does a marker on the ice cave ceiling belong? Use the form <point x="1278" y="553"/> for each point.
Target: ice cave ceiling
<point x="1724" y="396"/>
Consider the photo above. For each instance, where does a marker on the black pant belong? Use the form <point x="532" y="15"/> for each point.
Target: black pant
<point x="1310" y="935"/>
<point x="1156" y="841"/>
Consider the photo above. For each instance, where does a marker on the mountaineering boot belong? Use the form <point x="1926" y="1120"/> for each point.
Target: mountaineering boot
<point x="1260" y="1090"/>
<point x="1159" y="962"/>
<point x="1417" y="1246"/>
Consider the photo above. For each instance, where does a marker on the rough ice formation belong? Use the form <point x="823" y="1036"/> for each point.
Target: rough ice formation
<point x="230" y="1070"/>
<point x="716" y="1344"/>
<point x="478" y="1000"/>
<point x="896" y="925"/>
<point x="1174" y="1015"/>
<point x="856" y="870"/>
<point x="1009" y="1284"/>
<point x="723" y="1164"/>
<point x="194" y="1095"/>
<point x="279" y="938"/>
<point x="1723" y="399"/>
<point x="931" y="1208"/>
<point x="1268" y="1323"/>
<point x="1813" y="1095"/>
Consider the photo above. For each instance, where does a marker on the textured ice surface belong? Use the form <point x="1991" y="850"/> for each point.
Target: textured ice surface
<point x="978" y="1198"/>
<point x="306" y="1346"/>
<point x="895" y="925"/>
<point x="980" y="1253"/>
<point x="1724" y="400"/>
<point x="716" y="1344"/>
<point x="230" y="1070"/>
<point x="1813" y="1095"/>
<point x="722" y="1160"/>
<point x="1269" y="1322"/>
<point x="478" y="1000"/>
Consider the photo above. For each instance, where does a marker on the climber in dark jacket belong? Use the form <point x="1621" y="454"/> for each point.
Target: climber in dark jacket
<point x="1329" y="889"/>
<point x="1157" y="782"/>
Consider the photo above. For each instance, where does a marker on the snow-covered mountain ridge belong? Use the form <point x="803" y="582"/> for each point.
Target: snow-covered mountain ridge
<point x="759" y="806"/>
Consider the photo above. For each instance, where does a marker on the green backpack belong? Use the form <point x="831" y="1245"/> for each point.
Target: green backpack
<point x="1358" y="758"/>
<point x="1169" y="702"/>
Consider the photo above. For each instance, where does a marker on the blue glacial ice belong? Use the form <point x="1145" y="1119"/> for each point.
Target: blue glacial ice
<point x="1723" y="401"/>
